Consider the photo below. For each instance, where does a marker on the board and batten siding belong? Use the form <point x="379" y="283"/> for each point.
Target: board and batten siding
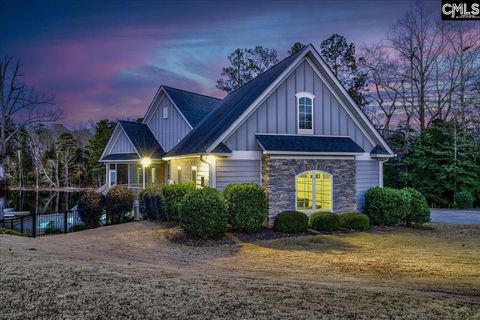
<point x="122" y="144"/>
<point x="278" y="113"/>
<point x="367" y="177"/>
<point x="237" y="171"/>
<point x="171" y="130"/>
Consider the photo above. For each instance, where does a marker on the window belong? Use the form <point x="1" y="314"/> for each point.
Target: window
<point x="138" y="175"/>
<point x="314" y="191"/>
<point x="194" y="174"/>
<point x="179" y="174"/>
<point x="154" y="175"/>
<point x="305" y="112"/>
<point x="165" y="112"/>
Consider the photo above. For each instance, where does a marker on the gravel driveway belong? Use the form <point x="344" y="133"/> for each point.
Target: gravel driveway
<point x="456" y="216"/>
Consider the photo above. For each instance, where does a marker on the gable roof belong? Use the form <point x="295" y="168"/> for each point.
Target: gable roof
<point x="193" y="106"/>
<point x="229" y="110"/>
<point x="142" y="139"/>
<point x="121" y="156"/>
<point x="273" y="143"/>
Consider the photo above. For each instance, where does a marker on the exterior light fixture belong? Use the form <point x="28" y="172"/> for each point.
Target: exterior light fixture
<point x="146" y="162"/>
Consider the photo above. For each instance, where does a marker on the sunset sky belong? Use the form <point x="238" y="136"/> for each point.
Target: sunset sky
<point x="106" y="59"/>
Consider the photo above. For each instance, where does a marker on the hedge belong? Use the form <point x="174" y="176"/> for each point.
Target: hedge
<point x="291" y="222"/>
<point x="152" y="204"/>
<point x="387" y="206"/>
<point x="325" y="221"/>
<point x="354" y="221"/>
<point x="203" y="213"/>
<point x="172" y="196"/>
<point x="118" y="204"/>
<point x="248" y="206"/>
<point x="90" y="208"/>
<point x="463" y="200"/>
<point x="419" y="212"/>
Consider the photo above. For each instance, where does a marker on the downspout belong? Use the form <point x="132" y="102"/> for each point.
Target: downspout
<point x="209" y="168"/>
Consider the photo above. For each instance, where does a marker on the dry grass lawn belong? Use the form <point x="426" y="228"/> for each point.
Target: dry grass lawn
<point x="132" y="271"/>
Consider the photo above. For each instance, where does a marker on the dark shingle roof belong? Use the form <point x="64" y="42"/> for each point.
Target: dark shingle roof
<point x="229" y="110"/>
<point x="296" y="143"/>
<point x="121" y="156"/>
<point x="221" y="148"/>
<point x="193" y="106"/>
<point x="143" y="139"/>
<point x="379" y="150"/>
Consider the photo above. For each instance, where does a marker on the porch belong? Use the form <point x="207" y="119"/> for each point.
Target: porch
<point x="136" y="175"/>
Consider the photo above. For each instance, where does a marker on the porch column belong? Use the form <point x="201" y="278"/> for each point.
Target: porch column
<point x="143" y="176"/>
<point x="107" y="174"/>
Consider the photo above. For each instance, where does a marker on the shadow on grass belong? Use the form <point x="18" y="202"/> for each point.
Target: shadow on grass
<point x="313" y="243"/>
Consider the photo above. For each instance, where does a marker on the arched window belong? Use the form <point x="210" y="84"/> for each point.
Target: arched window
<point x="305" y="112"/>
<point x="314" y="191"/>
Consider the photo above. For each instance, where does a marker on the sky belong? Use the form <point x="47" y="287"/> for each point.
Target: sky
<point x="106" y="59"/>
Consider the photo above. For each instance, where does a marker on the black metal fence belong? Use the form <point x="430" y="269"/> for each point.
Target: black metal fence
<point x="37" y="225"/>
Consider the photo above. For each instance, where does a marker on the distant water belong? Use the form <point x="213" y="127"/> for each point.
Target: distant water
<point x="39" y="201"/>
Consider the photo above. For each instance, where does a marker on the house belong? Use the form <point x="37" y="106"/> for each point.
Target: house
<point x="294" y="130"/>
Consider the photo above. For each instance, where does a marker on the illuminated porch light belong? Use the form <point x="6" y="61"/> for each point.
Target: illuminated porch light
<point x="146" y="162"/>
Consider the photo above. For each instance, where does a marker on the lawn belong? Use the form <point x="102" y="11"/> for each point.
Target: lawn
<point x="132" y="271"/>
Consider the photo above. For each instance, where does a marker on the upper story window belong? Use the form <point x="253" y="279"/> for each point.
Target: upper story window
<point x="305" y="112"/>
<point x="165" y="112"/>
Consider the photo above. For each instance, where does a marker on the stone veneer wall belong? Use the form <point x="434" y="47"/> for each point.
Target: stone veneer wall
<point x="278" y="180"/>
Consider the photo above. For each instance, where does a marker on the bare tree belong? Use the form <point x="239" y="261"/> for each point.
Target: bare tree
<point x="20" y="106"/>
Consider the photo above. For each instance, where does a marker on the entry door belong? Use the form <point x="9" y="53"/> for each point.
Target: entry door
<point x="113" y="177"/>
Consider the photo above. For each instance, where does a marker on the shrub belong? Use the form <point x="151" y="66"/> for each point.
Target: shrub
<point x="247" y="205"/>
<point x="325" y="221"/>
<point x="354" y="221"/>
<point x="152" y="204"/>
<point x="90" y="208"/>
<point x="463" y="200"/>
<point x="291" y="222"/>
<point x="78" y="227"/>
<point x="172" y="196"/>
<point x="119" y="204"/>
<point x="419" y="212"/>
<point x="387" y="206"/>
<point x="52" y="230"/>
<point x="12" y="232"/>
<point x="203" y="213"/>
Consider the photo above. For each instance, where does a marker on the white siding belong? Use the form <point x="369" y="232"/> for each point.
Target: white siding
<point x="277" y="114"/>
<point x="367" y="177"/>
<point x="122" y="144"/>
<point x="237" y="171"/>
<point x="167" y="131"/>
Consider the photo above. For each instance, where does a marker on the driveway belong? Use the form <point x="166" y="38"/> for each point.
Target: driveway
<point x="456" y="216"/>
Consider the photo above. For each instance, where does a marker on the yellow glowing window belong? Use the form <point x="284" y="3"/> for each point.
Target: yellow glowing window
<point x="314" y="191"/>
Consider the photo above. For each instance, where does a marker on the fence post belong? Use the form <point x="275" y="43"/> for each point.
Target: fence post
<point x="34" y="225"/>
<point x="65" y="222"/>
<point x="21" y="224"/>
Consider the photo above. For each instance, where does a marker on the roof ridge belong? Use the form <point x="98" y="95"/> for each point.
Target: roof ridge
<point x="198" y="94"/>
<point x="130" y="121"/>
<point x="261" y="74"/>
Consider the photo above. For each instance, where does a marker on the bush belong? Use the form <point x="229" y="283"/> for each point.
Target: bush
<point x="354" y="221"/>
<point x="291" y="222"/>
<point x="463" y="200"/>
<point x="419" y="212"/>
<point x="387" y="206"/>
<point x="90" y="208"/>
<point x="248" y="206"/>
<point x="203" y="213"/>
<point x="12" y="232"/>
<point x="78" y="227"/>
<point x="119" y="204"/>
<point x="172" y="196"/>
<point x="152" y="204"/>
<point x="325" y="221"/>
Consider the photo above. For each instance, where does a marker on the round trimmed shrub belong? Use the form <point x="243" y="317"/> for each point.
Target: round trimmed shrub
<point x="463" y="200"/>
<point x="248" y="206"/>
<point x="152" y="205"/>
<point x="387" y="206"/>
<point x="291" y="222"/>
<point x="419" y="212"/>
<point x="172" y="195"/>
<point x="325" y="221"/>
<point x="118" y="204"/>
<point x="354" y="221"/>
<point x="203" y="213"/>
<point x="90" y="208"/>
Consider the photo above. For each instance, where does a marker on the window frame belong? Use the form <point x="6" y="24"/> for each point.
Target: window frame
<point x="314" y="192"/>
<point x="165" y="112"/>
<point x="179" y="174"/>
<point x="194" y="180"/>
<point x="311" y="96"/>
